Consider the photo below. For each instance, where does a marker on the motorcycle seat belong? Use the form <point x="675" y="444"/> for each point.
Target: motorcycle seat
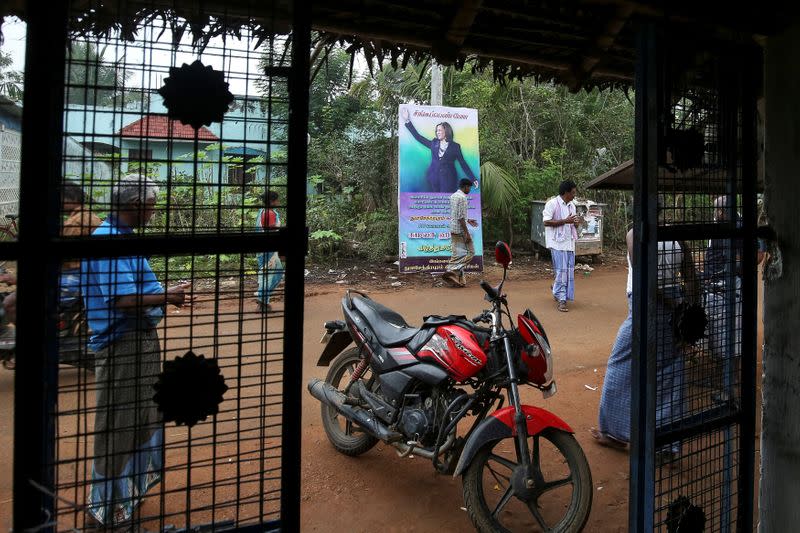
<point x="428" y="329"/>
<point x="389" y="327"/>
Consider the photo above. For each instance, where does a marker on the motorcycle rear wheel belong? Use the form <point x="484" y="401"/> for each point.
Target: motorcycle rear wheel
<point x="345" y="436"/>
<point x="493" y="505"/>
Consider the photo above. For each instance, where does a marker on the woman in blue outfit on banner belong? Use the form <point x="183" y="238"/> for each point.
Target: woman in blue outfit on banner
<point x="441" y="175"/>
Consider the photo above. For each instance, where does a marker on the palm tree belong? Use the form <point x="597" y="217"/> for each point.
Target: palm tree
<point x="94" y="81"/>
<point x="499" y="191"/>
<point x="11" y="81"/>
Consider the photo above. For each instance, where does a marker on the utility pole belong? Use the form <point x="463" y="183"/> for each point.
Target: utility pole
<point x="436" y="83"/>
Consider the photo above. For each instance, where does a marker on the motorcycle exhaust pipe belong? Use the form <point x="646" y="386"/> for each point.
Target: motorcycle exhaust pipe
<point x="327" y="394"/>
<point x="406" y="449"/>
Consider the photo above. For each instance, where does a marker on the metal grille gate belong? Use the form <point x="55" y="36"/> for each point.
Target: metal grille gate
<point x="694" y="302"/>
<point x="9" y="172"/>
<point x="239" y="466"/>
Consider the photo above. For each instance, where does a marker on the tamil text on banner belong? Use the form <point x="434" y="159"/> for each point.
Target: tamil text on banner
<point x="438" y="147"/>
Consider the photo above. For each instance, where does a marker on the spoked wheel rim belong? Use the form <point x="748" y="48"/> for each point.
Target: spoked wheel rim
<point x="546" y="497"/>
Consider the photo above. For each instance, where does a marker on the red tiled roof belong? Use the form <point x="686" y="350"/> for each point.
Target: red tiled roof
<point x="159" y="126"/>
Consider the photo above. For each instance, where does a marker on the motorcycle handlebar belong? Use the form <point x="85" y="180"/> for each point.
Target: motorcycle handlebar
<point x="491" y="291"/>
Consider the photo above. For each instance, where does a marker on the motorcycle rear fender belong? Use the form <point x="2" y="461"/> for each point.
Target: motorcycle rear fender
<point x="338" y="341"/>
<point x="500" y="425"/>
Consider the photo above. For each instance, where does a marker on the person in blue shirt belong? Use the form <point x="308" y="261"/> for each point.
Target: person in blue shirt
<point x="124" y="303"/>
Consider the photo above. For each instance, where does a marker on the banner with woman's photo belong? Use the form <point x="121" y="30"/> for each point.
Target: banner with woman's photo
<point x="438" y="148"/>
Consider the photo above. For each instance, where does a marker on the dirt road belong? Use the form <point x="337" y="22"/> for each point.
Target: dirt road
<point x="380" y="491"/>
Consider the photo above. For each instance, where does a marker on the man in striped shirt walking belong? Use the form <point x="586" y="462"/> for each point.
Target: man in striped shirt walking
<point x="462" y="248"/>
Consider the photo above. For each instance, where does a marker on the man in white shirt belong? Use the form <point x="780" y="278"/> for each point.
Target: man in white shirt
<point x="560" y="236"/>
<point x="462" y="249"/>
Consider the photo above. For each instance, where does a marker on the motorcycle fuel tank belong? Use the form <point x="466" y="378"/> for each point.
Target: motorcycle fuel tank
<point x="456" y="350"/>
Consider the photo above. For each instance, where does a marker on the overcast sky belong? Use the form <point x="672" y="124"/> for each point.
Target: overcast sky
<point x="14" y="41"/>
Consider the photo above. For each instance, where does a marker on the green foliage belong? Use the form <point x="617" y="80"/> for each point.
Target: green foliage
<point x="94" y="80"/>
<point x="324" y="234"/>
<point x="542" y="134"/>
<point x="229" y="208"/>
<point x="532" y="136"/>
<point x="339" y="228"/>
<point x="378" y="233"/>
<point x="323" y="244"/>
<point x="11" y="81"/>
<point x="500" y="189"/>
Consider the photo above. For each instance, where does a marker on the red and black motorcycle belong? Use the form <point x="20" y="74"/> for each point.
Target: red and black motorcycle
<point x="521" y="467"/>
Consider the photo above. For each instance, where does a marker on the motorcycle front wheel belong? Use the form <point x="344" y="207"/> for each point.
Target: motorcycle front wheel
<point x="558" y="500"/>
<point x="345" y="436"/>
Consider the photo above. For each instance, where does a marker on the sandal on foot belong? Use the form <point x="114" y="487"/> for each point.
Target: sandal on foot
<point x="450" y="279"/>
<point x="562" y="306"/>
<point x="604" y="439"/>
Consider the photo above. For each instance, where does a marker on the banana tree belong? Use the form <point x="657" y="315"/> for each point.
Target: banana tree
<point x="499" y="190"/>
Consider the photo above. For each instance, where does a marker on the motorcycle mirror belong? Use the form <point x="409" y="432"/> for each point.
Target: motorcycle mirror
<point x="502" y="254"/>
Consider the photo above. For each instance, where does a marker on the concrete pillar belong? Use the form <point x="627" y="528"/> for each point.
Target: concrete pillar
<point x="436" y="83"/>
<point x="780" y="434"/>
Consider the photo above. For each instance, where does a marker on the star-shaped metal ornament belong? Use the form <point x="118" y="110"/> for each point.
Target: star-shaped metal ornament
<point x="196" y="95"/>
<point x="189" y="389"/>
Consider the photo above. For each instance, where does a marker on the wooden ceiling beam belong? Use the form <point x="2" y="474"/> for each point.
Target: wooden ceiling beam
<point x="447" y="49"/>
<point x="392" y="10"/>
<point x="530" y="60"/>
<point x="391" y="35"/>
<point x="484" y="51"/>
<point x="696" y="13"/>
<point x="423" y="45"/>
<point x="536" y="20"/>
<point x="462" y="21"/>
<point x="592" y="56"/>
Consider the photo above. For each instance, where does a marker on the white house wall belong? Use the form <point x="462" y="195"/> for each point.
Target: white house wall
<point x="10" y="146"/>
